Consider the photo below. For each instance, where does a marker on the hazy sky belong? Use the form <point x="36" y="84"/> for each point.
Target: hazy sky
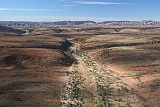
<point x="96" y="10"/>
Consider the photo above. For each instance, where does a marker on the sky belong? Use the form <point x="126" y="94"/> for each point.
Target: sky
<point x="79" y="10"/>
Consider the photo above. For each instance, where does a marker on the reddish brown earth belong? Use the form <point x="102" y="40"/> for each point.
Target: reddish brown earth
<point x="33" y="67"/>
<point x="130" y="53"/>
<point x="32" y="70"/>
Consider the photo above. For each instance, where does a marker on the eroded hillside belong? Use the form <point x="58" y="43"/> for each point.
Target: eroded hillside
<point x="81" y="67"/>
<point x="32" y="70"/>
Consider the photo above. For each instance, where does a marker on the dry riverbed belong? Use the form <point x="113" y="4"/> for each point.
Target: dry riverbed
<point x="94" y="85"/>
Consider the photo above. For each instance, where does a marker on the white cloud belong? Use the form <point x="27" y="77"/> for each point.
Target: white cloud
<point x="70" y="5"/>
<point x="96" y="3"/>
<point x="14" y="9"/>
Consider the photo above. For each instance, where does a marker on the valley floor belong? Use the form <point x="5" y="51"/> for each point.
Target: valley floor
<point x="92" y="85"/>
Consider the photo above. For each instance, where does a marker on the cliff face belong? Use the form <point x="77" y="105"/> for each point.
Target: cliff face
<point x="130" y="23"/>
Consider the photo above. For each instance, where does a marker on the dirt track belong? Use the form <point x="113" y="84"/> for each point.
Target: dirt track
<point x="79" y="74"/>
<point x="98" y="85"/>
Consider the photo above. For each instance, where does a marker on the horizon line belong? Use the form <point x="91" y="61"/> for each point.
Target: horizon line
<point x="70" y="18"/>
<point x="81" y="20"/>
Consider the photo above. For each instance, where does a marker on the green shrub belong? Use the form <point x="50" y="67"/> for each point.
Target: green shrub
<point x="139" y="74"/>
<point x="1" y="69"/>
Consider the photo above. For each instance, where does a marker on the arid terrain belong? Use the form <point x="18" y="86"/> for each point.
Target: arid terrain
<point x="80" y="67"/>
<point x="32" y="70"/>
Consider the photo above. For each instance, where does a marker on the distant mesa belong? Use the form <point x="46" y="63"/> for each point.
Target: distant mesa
<point x="43" y="24"/>
<point x="79" y="23"/>
<point x="131" y="23"/>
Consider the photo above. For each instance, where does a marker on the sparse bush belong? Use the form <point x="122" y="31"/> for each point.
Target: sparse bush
<point x="146" y="106"/>
<point x="1" y="69"/>
<point x="139" y="74"/>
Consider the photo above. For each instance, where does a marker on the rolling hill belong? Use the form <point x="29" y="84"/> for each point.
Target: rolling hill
<point x="4" y="31"/>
